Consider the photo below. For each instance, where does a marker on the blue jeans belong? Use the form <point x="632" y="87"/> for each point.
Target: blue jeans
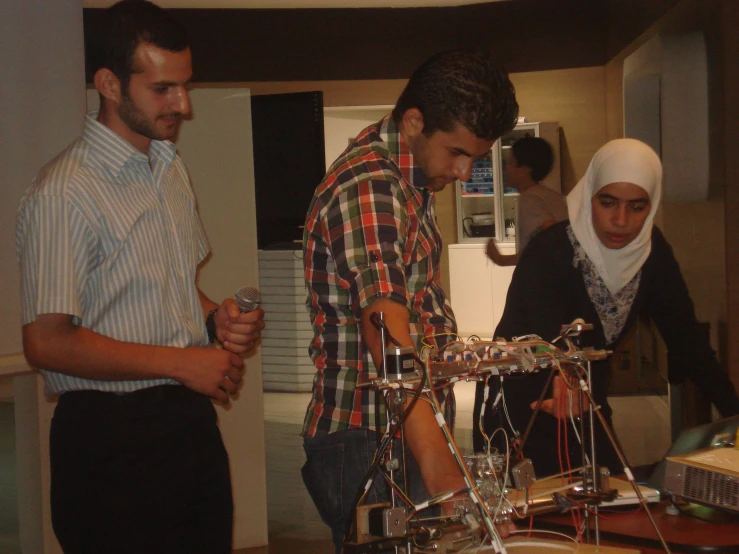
<point x="333" y="472"/>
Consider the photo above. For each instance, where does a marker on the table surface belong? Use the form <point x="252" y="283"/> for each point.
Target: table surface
<point x="682" y="532"/>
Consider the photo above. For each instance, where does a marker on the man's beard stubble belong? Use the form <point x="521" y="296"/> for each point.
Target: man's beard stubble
<point x="135" y="120"/>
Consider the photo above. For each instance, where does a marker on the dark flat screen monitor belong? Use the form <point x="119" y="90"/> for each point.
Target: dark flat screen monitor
<point x="289" y="163"/>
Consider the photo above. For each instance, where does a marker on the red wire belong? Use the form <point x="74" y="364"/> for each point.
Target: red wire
<point x="562" y="427"/>
<point x="567" y="435"/>
<point x="559" y="447"/>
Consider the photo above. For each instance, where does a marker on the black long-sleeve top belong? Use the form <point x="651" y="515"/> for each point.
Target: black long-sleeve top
<point x="548" y="291"/>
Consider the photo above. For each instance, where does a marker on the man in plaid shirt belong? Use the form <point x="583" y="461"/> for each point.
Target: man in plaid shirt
<point x="372" y="244"/>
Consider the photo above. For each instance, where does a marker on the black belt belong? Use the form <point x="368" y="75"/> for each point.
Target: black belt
<point x="168" y="397"/>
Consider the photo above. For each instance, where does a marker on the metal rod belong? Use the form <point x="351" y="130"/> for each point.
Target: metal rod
<point x="593" y="461"/>
<point x="403" y="460"/>
<point x="587" y="473"/>
<point x="622" y="459"/>
<point x="383" y="340"/>
<point x="389" y="406"/>
<point x="532" y="420"/>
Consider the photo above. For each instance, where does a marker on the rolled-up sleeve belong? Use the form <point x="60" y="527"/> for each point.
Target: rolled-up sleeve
<point x="366" y="229"/>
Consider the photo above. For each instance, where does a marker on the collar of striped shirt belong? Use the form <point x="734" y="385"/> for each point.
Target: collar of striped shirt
<point x="125" y="261"/>
<point x="116" y="151"/>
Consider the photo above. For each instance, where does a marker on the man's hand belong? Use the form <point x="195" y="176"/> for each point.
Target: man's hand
<point x="55" y="343"/>
<point x="497" y="257"/>
<point x="211" y="371"/>
<point x="238" y="332"/>
<point x="492" y="251"/>
<point x="559" y="405"/>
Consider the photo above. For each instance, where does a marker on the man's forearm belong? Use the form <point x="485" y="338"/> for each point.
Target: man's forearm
<point x="425" y="439"/>
<point x="52" y="342"/>
<point x="439" y="470"/>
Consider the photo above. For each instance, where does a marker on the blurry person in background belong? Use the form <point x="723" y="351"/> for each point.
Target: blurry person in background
<point x="530" y="161"/>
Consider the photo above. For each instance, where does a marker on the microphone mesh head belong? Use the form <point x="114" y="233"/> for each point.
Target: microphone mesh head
<point x="247" y="299"/>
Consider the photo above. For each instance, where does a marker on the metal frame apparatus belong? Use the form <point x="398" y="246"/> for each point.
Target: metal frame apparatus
<point x="489" y="477"/>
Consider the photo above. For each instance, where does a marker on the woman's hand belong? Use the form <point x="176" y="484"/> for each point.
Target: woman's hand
<point x="559" y="404"/>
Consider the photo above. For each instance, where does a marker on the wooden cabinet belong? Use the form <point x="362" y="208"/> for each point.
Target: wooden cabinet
<point x="487" y="208"/>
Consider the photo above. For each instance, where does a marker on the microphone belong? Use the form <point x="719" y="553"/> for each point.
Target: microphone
<point x="247" y="299"/>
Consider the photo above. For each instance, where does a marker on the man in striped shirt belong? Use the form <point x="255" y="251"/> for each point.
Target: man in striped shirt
<point x="109" y="241"/>
<point x="372" y="245"/>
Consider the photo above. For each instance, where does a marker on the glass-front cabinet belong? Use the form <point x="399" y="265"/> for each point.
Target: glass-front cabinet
<point x="488" y="208"/>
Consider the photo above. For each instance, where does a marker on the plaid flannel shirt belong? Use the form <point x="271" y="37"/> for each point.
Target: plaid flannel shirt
<point x="371" y="232"/>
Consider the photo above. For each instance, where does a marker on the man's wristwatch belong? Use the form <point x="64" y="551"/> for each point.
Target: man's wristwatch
<point x="210" y="325"/>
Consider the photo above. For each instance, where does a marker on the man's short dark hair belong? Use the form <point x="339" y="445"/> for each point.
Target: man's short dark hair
<point x="461" y="86"/>
<point x="536" y="154"/>
<point x="113" y="39"/>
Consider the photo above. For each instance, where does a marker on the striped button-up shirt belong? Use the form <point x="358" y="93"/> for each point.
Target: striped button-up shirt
<point x="111" y="236"/>
<point x="370" y="233"/>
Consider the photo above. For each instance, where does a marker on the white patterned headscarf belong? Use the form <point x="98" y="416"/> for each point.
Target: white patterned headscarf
<point x="619" y="161"/>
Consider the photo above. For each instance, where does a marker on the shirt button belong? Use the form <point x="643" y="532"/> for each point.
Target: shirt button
<point x="373" y="256"/>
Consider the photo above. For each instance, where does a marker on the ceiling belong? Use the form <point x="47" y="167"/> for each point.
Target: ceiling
<point x="261" y="4"/>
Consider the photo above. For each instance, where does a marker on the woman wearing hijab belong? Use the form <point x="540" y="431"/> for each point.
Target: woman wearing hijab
<point x="607" y="265"/>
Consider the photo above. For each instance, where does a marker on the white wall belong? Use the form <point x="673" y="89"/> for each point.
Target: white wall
<point x="340" y="124"/>
<point x="218" y="152"/>
<point x="42" y="104"/>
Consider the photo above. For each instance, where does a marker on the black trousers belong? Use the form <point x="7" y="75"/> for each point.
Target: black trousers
<point x="144" y="472"/>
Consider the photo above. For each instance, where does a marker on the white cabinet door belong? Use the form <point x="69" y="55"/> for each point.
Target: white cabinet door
<point x="501" y="280"/>
<point x="470" y="277"/>
<point x="478" y="288"/>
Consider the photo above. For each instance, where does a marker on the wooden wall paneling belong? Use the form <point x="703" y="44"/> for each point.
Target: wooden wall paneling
<point x="537" y="35"/>
<point x="576" y="99"/>
<point x="384" y="43"/>
<point x="717" y="62"/>
<point x="613" y="73"/>
<point x="730" y="20"/>
<point x="628" y="19"/>
<point x="312" y="44"/>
